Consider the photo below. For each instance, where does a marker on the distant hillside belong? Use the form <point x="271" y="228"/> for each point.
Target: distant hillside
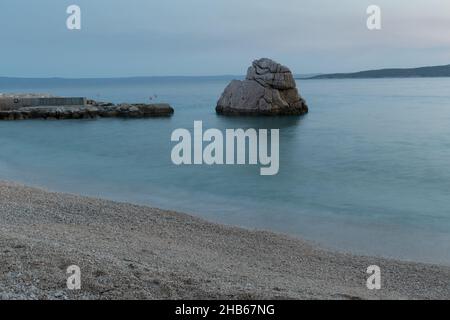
<point x="306" y="75"/>
<point x="437" y="71"/>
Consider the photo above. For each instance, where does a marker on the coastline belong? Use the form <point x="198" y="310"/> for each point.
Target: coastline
<point x="128" y="251"/>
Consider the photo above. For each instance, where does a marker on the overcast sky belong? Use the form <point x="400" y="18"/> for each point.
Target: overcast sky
<point x="215" y="37"/>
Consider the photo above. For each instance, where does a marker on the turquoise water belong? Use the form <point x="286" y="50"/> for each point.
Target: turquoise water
<point x="366" y="171"/>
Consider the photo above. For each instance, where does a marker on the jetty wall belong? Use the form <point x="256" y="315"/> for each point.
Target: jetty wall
<point x="13" y="103"/>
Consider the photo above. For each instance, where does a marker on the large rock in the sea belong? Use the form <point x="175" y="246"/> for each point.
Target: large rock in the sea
<point x="269" y="89"/>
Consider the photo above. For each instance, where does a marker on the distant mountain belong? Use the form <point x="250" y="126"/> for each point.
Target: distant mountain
<point x="428" y="72"/>
<point x="306" y="75"/>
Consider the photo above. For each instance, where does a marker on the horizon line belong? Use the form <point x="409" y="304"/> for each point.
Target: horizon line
<point x="307" y="74"/>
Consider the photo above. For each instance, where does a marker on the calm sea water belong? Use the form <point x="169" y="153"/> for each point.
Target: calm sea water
<point x="367" y="170"/>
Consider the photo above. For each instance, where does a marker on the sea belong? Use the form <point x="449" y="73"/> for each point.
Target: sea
<point x="366" y="171"/>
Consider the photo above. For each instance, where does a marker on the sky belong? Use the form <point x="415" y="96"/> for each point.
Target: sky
<point x="217" y="37"/>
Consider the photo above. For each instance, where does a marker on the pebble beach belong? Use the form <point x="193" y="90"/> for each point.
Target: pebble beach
<point x="127" y="251"/>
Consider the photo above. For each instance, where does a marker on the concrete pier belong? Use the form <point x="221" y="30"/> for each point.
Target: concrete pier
<point x="14" y="103"/>
<point x="33" y="106"/>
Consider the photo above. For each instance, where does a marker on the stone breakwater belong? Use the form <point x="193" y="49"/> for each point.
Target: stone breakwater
<point x="88" y="111"/>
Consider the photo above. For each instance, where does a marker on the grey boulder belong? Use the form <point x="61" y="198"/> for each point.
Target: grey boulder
<point x="269" y="89"/>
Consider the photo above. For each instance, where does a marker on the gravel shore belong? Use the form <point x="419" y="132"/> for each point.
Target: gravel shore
<point x="127" y="251"/>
